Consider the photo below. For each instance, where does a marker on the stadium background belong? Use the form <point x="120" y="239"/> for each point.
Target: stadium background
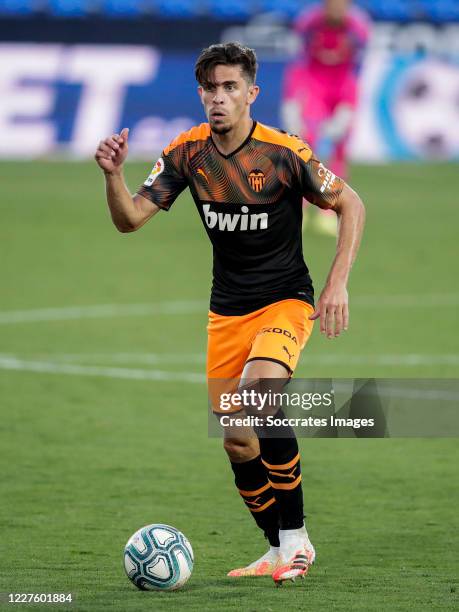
<point x="84" y="68"/>
<point x="104" y="423"/>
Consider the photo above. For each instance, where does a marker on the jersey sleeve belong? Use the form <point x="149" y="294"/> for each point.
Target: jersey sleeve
<point x="359" y="27"/>
<point x="165" y="182"/>
<point x="317" y="183"/>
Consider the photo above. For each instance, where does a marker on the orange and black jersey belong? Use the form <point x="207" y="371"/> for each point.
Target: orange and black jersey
<point x="250" y="203"/>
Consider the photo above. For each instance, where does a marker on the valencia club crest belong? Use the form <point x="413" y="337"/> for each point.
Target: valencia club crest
<point x="257" y="180"/>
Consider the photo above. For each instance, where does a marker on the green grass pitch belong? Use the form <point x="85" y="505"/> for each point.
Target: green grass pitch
<point x="92" y="446"/>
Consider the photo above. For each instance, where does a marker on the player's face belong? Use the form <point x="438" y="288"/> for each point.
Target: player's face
<point x="336" y="10"/>
<point x="227" y="98"/>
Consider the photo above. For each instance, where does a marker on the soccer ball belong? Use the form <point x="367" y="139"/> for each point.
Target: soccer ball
<point x="158" y="558"/>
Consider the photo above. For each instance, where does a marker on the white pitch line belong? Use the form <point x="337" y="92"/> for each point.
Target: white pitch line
<point x="100" y="311"/>
<point x="413" y="359"/>
<point x="124" y="358"/>
<point x="58" y="364"/>
<point x="50" y="367"/>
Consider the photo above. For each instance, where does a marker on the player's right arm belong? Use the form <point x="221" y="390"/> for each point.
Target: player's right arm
<point x="128" y="212"/>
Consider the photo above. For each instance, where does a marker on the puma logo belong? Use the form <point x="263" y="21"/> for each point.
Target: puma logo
<point x="202" y="173"/>
<point x="290" y="475"/>
<point x="254" y="502"/>
<point x="302" y="149"/>
<point x="289" y="354"/>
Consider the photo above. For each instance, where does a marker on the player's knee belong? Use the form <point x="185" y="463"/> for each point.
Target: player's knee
<point x="241" y="449"/>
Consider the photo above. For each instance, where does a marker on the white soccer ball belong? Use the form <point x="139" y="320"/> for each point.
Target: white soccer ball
<point x="158" y="558"/>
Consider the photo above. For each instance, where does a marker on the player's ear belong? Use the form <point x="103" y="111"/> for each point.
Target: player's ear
<point x="252" y="94"/>
<point x="200" y="93"/>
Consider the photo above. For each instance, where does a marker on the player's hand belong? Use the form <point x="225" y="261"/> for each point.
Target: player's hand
<point x="333" y="310"/>
<point x="112" y="152"/>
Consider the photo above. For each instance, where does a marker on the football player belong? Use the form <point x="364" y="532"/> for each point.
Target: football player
<point x="248" y="181"/>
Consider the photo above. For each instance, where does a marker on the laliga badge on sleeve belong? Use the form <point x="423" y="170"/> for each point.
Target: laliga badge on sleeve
<point x="156" y="171"/>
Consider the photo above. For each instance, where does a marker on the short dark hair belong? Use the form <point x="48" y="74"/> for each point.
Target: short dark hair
<point x="228" y="54"/>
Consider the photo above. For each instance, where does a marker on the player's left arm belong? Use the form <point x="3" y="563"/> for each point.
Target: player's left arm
<point x="333" y="306"/>
<point x="359" y="28"/>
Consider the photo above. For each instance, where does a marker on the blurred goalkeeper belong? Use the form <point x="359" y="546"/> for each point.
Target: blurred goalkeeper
<point x="248" y="181"/>
<point x="320" y="91"/>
